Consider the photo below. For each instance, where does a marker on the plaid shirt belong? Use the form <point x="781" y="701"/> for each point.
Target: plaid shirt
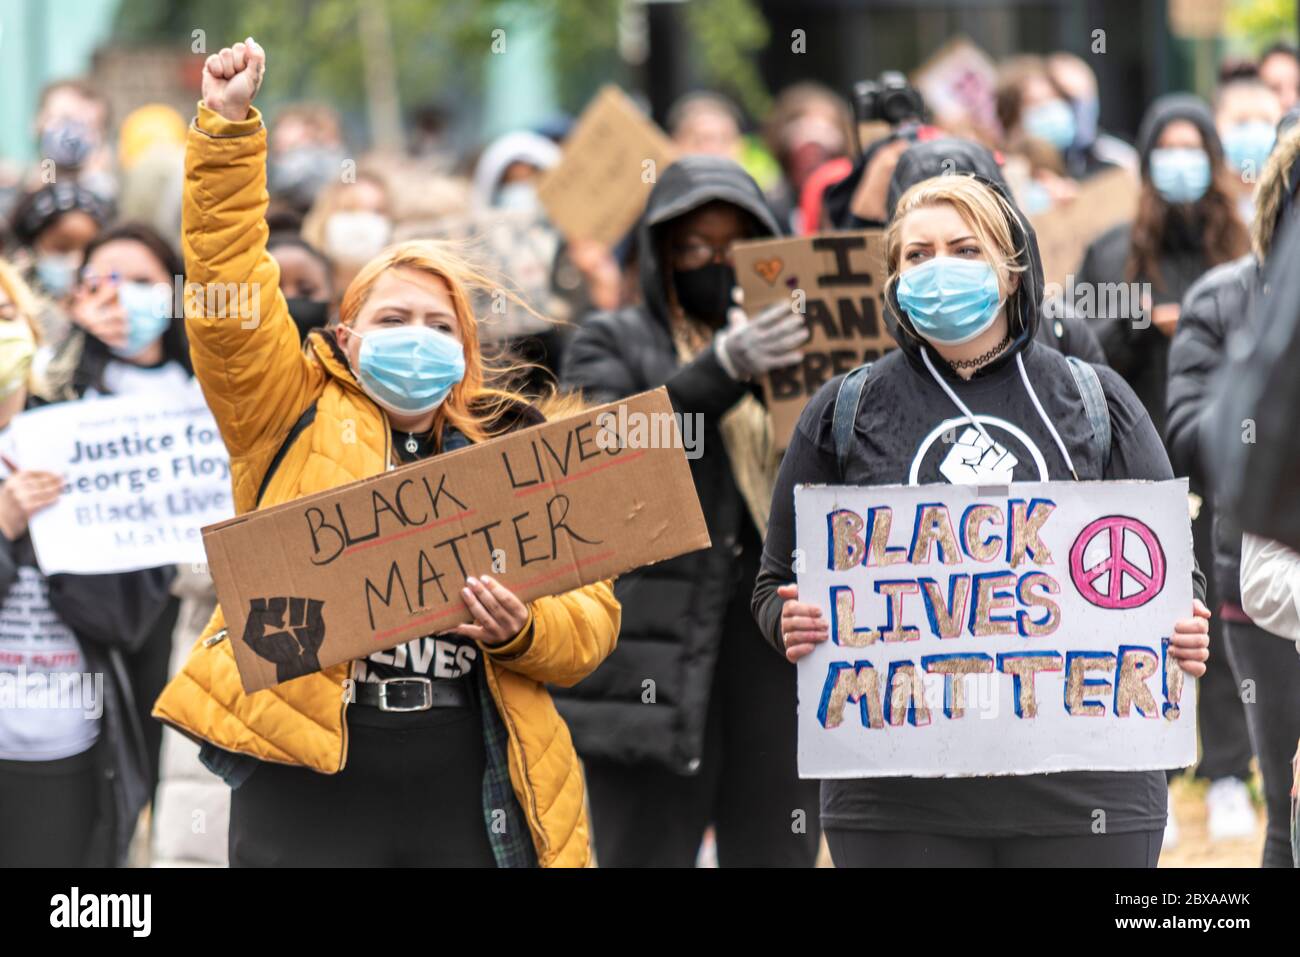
<point x="508" y="833"/>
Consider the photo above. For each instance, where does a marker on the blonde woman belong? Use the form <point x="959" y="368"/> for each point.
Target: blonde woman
<point x="965" y="288"/>
<point x="478" y="769"/>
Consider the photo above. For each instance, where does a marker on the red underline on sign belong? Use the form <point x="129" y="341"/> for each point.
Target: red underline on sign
<point x="382" y="635"/>
<point x="577" y="475"/>
<point x="410" y="531"/>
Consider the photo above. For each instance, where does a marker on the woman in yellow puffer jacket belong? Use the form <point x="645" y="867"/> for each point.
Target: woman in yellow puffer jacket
<point x="446" y="750"/>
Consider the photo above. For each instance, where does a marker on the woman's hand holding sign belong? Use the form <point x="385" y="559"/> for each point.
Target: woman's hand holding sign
<point x="498" y="613"/>
<point x="1190" y="642"/>
<point x="23" y="494"/>
<point x="802" y="624"/>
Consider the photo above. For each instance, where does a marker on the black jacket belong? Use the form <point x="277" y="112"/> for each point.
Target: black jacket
<point x="1134" y="347"/>
<point x="112" y="616"/>
<point x="898" y="439"/>
<point x="672" y="612"/>
<point x="1216" y="308"/>
<point x="924" y="160"/>
<point x="1254" y="473"/>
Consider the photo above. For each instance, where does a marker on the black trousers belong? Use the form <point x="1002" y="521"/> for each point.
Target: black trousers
<point x="411" y="795"/>
<point x="47" y="811"/>
<point x="902" y="849"/>
<point x="1220" y="716"/>
<point x="1272" y="667"/>
<point x="747" y="786"/>
<point x="147" y="669"/>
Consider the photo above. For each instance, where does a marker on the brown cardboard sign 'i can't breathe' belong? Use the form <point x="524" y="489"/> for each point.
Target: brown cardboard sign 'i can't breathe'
<point x="340" y="574"/>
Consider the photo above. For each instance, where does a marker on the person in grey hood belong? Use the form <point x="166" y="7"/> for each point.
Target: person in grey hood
<point x="969" y="365"/>
<point x="667" y="727"/>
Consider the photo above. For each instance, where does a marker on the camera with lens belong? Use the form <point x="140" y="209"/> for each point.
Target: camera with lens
<point x="890" y="99"/>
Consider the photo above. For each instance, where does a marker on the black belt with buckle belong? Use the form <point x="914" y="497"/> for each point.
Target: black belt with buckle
<point x="411" y="694"/>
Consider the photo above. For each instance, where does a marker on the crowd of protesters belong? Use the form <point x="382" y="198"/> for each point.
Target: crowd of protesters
<point x="376" y="291"/>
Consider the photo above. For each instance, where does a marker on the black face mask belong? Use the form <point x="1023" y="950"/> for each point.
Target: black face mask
<point x="308" y="314"/>
<point x="705" y="293"/>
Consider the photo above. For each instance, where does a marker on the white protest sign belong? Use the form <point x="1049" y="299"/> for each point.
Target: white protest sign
<point x="141" y="479"/>
<point x="1008" y="630"/>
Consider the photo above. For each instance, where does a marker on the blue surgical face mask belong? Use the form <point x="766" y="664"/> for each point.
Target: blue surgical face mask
<point x="56" y="272"/>
<point x="1180" y="174"/>
<point x="1052" y="121"/>
<point x="1034" y="198"/>
<point x="68" y="143"/>
<point x="521" y="197"/>
<point x="950" y="300"/>
<point x="1086" y="114"/>
<point x="148" y="308"/>
<point x="409" y="370"/>
<point x="1247" y="146"/>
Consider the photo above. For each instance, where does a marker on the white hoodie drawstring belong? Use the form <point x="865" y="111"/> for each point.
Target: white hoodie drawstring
<point x="1024" y="377"/>
<point x="970" y="417"/>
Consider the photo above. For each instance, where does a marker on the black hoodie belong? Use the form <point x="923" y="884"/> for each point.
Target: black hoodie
<point x="902" y="417"/>
<point x="1134" y="347"/>
<point x="674" y="612"/>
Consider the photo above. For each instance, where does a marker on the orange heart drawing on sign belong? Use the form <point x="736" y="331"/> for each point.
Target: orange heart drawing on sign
<point x="769" y="269"/>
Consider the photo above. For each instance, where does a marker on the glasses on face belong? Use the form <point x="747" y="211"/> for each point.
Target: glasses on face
<point x="696" y="254"/>
<point x="93" y="280"/>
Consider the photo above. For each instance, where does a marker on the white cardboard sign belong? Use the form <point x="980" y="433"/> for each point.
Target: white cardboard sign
<point x="141" y="480"/>
<point x="1009" y="630"/>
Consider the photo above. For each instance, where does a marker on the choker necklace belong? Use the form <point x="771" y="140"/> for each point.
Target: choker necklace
<point x="981" y="359"/>
<point x="412" y="445"/>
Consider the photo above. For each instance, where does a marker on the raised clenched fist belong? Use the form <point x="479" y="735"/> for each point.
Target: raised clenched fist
<point x="232" y="77"/>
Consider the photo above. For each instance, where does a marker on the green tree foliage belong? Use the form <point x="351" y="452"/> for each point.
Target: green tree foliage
<point x="1255" y="24"/>
<point x="439" y="46"/>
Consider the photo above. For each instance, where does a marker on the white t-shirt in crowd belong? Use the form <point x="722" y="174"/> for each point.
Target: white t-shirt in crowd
<point x="50" y="707"/>
<point x="123" y="378"/>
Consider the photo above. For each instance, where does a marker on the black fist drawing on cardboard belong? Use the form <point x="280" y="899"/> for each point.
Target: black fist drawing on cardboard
<point x="292" y="645"/>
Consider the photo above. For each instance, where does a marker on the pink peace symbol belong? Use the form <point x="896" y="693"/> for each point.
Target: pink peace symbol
<point x="1118" y="566"/>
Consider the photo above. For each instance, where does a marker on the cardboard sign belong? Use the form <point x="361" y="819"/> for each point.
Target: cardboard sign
<point x="141" y="480"/>
<point x="1010" y="630"/>
<point x="611" y="161"/>
<point x="370" y="565"/>
<point x="837" y="282"/>
<point x="1065" y="232"/>
<point x="958" y="83"/>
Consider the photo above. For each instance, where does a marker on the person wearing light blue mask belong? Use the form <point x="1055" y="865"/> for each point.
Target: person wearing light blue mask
<point x="1180" y="174"/>
<point x="148" y="312"/>
<point x="1052" y="121"/>
<point x="950" y="300"/>
<point x="124" y="303"/>
<point x="970" y="397"/>
<point x="55" y="224"/>
<point x="1246" y="113"/>
<point x="409" y="370"/>
<point x="1248" y="144"/>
